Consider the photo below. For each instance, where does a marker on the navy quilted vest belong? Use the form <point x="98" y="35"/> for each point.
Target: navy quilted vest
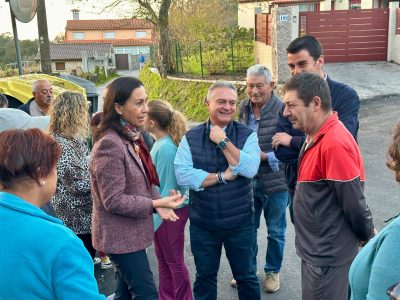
<point x="221" y="206"/>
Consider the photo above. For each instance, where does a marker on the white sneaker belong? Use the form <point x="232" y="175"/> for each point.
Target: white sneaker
<point x="96" y="260"/>
<point x="106" y="263"/>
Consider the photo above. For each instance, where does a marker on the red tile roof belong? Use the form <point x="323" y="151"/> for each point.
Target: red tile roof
<point x="293" y="1"/>
<point x="125" y="42"/>
<point x="108" y="24"/>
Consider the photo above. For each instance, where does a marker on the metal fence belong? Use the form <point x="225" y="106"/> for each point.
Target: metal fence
<point x="222" y="54"/>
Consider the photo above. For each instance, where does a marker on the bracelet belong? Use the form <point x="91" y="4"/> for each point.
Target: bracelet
<point x="222" y="178"/>
<point x="219" y="177"/>
<point x="216" y="176"/>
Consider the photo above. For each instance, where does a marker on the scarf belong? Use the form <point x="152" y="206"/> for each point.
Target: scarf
<point x="144" y="154"/>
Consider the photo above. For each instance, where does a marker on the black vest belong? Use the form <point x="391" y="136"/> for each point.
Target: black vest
<point x="272" y="182"/>
<point x="221" y="206"/>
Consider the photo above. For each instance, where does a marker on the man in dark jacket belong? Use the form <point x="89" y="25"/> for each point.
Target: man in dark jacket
<point x="305" y="54"/>
<point x="330" y="211"/>
<point x="260" y="112"/>
<point x="42" y="92"/>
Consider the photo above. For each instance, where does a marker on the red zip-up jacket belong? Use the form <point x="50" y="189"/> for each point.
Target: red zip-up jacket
<point x="329" y="205"/>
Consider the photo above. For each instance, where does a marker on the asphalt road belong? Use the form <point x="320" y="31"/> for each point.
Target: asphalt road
<point x="377" y="117"/>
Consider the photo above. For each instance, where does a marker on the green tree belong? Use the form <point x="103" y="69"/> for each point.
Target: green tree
<point x="7" y="49"/>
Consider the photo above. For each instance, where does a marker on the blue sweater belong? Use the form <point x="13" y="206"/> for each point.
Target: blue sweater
<point x="43" y="259"/>
<point x="345" y="102"/>
<point x="163" y="155"/>
<point x="377" y="265"/>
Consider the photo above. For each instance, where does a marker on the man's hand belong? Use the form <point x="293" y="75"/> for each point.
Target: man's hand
<point x="217" y="134"/>
<point x="281" y="138"/>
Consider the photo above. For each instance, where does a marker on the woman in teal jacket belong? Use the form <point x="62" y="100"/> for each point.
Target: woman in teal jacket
<point x="377" y="265"/>
<point x="43" y="258"/>
<point x="168" y="126"/>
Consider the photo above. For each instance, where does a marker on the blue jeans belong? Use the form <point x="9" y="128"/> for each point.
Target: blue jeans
<point x="274" y="207"/>
<point x="206" y="248"/>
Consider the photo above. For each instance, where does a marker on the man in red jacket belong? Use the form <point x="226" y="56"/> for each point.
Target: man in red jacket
<point x="330" y="210"/>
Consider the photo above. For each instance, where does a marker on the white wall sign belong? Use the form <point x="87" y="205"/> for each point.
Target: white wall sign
<point x="283" y="18"/>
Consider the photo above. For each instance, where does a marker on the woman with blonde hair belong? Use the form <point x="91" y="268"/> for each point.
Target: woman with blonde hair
<point x="69" y="125"/>
<point x="377" y="267"/>
<point x="168" y="126"/>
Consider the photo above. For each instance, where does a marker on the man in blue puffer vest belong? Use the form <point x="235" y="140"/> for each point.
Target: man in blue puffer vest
<point x="217" y="161"/>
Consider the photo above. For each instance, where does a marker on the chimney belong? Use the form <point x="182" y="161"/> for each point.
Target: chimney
<point x="75" y="14"/>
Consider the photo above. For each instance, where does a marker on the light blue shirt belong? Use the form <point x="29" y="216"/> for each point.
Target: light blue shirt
<point x="192" y="178"/>
<point x="253" y="123"/>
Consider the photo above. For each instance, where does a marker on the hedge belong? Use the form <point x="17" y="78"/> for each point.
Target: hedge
<point x="185" y="96"/>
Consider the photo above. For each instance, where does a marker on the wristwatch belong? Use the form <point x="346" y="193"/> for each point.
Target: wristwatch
<point x="223" y="143"/>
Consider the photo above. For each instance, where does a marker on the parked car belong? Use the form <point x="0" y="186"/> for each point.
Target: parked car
<point x="18" y="89"/>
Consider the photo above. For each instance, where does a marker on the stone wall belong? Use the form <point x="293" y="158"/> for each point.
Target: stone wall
<point x="282" y="28"/>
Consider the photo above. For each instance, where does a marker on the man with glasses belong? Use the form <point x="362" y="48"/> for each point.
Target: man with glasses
<point x="42" y="92"/>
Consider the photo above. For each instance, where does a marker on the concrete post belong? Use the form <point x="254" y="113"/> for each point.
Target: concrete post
<point x="85" y="67"/>
<point x="392" y="30"/>
<point x="282" y="33"/>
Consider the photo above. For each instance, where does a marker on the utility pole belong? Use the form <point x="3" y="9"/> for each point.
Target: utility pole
<point x="44" y="44"/>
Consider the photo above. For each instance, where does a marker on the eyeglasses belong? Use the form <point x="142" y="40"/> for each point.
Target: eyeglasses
<point x="394" y="291"/>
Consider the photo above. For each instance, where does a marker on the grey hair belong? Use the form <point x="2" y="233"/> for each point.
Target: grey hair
<point x="35" y="83"/>
<point x="221" y="84"/>
<point x="259" y="70"/>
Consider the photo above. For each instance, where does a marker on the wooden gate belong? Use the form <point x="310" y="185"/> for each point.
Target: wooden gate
<point x="349" y="35"/>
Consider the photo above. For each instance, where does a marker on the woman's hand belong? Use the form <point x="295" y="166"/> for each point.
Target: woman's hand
<point x="173" y="201"/>
<point x="167" y="214"/>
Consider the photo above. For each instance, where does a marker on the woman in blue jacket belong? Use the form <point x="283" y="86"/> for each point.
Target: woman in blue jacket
<point x="168" y="126"/>
<point x="45" y="259"/>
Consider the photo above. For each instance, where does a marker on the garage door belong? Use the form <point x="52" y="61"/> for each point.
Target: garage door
<point x="122" y="61"/>
<point x="349" y="35"/>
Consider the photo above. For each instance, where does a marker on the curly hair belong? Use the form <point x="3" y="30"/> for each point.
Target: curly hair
<point x="69" y="115"/>
<point x="393" y="153"/>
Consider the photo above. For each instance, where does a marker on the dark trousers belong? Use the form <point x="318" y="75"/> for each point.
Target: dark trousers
<point x="291" y="197"/>
<point x="134" y="277"/>
<point x="87" y="242"/>
<point x="324" y="283"/>
<point x="206" y="248"/>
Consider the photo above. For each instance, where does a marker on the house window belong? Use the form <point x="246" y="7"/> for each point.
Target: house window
<point x="78" y="35"/>
<point x="109" y="35"/>
<point x="355" y="4"/>
<point x="309" y="7"/>
<point x="140" y="34"/>
<point x="60" y="66"/>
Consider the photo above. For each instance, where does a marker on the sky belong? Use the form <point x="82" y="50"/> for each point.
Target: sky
<point x="57" y="11"/>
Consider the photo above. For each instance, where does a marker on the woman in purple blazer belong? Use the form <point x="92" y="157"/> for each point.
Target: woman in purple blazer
<point x="123" y="182"/>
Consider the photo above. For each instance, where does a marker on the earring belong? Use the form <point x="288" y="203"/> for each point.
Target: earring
<point x="42" y="183"/>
